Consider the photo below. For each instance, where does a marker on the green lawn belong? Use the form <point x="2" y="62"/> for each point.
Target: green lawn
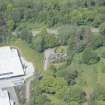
<point x="30" y="54"/>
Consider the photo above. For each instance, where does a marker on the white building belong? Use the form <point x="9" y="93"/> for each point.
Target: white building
<point x="11" y="68"/>
<point x="12" y="72"/>
<point x="4" y="97"/>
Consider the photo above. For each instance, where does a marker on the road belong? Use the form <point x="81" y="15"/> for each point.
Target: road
<point x="28" y="90"/>
<point x="30" y="70"/>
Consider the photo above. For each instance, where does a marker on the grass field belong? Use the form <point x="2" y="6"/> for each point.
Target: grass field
<point x="29" y="54"/>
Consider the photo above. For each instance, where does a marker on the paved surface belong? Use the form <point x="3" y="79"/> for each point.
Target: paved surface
<point x="49" y="31"/>
<point x="94" y="30"/>
<point x="46" y="57"/>
<point x="34" y="33"/>
<point x="28" y="90"/>
<point x="29" y="76"/>
<point x="52" y="31"/>
<point x="29" y="68"/>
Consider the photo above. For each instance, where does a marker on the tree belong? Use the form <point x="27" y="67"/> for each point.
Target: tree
<point x="17" y="15"/>
<point x="3" y="30"/>
<point x="70" y="75"/>
<point x="10" y="24"/>
<point x="100" y="93"/>
<point x="78" y="95"/>
<point x="51" y="41"/>
<point x="90" y="57"/>
<point x="26" y="35"/>
<point x="38" y="43"/>
<point x="73" y="94"/>
<point x="44" y="40"/>
<point x="102" y="29"/>
<point x="96" y="41"/>
<point x="46" y="89"/>
<point x="65" y="33"/>
<point x="71" y="50"/>
<point x="51" y="85"/>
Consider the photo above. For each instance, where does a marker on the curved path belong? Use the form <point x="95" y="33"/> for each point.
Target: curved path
<point x="28" y="89"/>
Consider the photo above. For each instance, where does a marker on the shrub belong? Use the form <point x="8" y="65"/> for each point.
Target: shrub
<point x="102" y="28"/>
<point x="96" y="41"/>
<point x="38" y="43"/>
<point x="51" y="41"/>
<point x="26" y="35"/>
<point x="80" y="48"/>
<point x="65" y="32"/>
<point x="43" y="41"/>
<point x="60" y="49"/>
<point x="100" y="93"/>
<point x="103" y="54"/>
<point x="90" y="57"/>
<point x="70" y="75"/>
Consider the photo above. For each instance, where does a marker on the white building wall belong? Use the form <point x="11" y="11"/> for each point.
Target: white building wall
<point x="11" y="82"/>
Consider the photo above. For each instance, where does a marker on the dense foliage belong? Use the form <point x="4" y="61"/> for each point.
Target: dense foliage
<point x="80" y="26"/>
<point x="89" y="57"/>
<point x="51" y="12"/>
